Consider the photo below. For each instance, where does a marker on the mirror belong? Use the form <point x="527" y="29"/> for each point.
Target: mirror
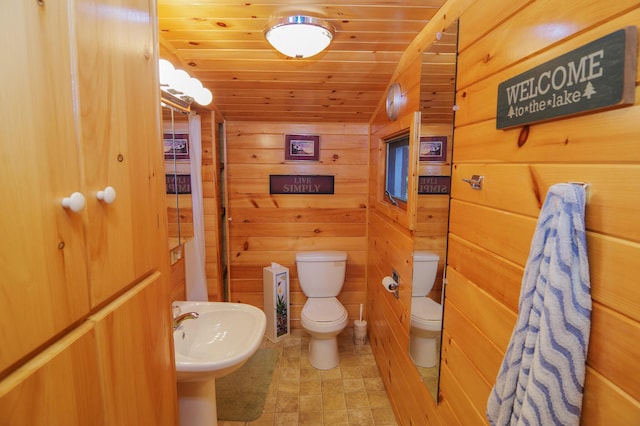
<point x="175" y="140"/>
<point x="437" y="98"/>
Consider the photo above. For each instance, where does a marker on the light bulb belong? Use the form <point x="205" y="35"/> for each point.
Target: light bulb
<point x="193" y="86"/>
<point x="166" y="71"/>
<point x="203" y="96"/>
<point x="180" y="81"/>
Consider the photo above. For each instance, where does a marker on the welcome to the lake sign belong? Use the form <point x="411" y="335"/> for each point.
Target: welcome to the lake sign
<point x="596" y="76"/>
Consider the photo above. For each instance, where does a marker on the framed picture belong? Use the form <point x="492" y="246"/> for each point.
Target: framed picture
<point x="302" y="147"/>
<point x="433" y="148"/>
<point x="176" y="146"/>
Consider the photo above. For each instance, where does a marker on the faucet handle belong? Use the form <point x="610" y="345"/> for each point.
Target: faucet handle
<point x="175" y="309"/>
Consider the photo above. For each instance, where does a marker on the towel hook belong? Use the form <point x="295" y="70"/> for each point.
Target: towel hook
<point x="585" y="185"/>
<point x="475" y="181"/>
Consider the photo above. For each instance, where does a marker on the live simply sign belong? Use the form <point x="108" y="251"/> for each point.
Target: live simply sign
<point x="596" y="76"/>
<point x="301" y="184"/>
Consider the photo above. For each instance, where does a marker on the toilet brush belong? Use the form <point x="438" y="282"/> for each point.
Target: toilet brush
<point x="360" y="330"/>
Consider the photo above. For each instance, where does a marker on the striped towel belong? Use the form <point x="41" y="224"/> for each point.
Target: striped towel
<point x="541" y="378"/>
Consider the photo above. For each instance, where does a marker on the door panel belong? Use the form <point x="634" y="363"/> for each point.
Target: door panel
<point x="42" y="255"/>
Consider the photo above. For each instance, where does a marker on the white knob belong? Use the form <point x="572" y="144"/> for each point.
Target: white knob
<point x="75" y="202"/>
<point x="108" y="195"/>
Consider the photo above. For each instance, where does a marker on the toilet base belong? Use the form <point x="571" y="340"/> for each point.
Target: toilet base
<point x="323" y="353"/>
<point x="424" y="350"/>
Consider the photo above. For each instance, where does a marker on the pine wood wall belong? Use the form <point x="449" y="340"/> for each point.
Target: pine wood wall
<point x="491" y="229"/>
<point x="266" y="228"/>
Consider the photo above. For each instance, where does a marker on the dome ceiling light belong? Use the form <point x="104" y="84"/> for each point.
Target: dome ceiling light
<point x="299" y="36"/>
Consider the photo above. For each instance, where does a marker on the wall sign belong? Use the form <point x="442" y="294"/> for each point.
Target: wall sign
<point x="300" y="184"/>
<point x="178" y="184"/>
<point x="434" y="184"/>
<point x="597" y="76"/>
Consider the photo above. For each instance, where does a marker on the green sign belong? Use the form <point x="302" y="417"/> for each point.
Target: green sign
<point x="599" y="75"/>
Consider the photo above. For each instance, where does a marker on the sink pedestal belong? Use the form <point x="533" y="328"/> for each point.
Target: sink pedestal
<point x="197" y="403"/>
<point x="218" y="342"/>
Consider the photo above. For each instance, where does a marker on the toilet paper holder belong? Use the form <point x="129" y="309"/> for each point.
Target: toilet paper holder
<point x="391" y="285"/>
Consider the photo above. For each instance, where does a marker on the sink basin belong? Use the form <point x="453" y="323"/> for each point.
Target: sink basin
<point x="219" y="341"/>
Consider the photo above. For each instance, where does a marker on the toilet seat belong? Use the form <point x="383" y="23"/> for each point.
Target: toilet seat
<point x="426" y="313"/>
<point x="323" y="314"/>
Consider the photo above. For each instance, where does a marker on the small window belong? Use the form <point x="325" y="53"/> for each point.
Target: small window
<point x="397" y="175"/>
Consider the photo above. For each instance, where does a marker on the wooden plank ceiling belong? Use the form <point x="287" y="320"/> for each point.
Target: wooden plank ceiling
<point x="221" y="42"/>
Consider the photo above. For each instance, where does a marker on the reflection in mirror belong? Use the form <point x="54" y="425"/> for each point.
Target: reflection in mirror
<point x="437" y="97"/>
<point x="397" y="169"/>
<point x="175" y="131"/>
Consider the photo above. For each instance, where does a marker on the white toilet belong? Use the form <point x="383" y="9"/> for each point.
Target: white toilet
<point x="321" y="275"/>
<point x="426" y="314"/>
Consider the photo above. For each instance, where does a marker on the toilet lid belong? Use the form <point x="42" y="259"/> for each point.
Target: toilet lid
<point x="323" y="309"/>
<point x="426" y="309"/>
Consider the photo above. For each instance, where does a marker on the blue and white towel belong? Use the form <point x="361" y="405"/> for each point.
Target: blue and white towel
<point x="541" y="378"/>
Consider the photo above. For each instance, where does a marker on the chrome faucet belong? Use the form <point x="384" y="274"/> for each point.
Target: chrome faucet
<point x="180" y="318"/>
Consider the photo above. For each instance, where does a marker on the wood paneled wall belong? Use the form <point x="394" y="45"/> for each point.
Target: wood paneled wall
<point x="265" y="228"/>
<point x="491" y="229"/>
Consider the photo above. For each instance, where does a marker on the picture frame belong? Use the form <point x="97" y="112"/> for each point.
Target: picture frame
<point x="176" y="146"/>
<point x="302" y="148"/>
<point x="433" y="148"/>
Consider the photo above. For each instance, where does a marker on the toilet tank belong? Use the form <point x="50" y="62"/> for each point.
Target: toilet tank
<point x="321" y="273"/>
<point x="425" y="268"/>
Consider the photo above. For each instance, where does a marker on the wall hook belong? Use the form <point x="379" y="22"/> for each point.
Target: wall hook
<point x="475" y="181"/>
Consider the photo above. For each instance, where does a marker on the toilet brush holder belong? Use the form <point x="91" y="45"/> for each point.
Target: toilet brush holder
<point x="359" y="332"/>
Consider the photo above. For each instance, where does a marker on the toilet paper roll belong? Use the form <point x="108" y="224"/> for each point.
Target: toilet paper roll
<point x="389" y="284"/>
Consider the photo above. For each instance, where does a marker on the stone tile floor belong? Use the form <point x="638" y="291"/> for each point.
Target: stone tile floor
<point x="352" y="394"/>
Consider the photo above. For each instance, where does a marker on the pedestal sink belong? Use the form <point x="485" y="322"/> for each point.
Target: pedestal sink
<point x="218" y="342"/>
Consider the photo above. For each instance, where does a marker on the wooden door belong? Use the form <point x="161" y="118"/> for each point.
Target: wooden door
<point x="120" y="122"/>
<point x="44" y="288"/>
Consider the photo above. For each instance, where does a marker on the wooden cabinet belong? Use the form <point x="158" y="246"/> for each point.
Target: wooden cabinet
<point x="133" y="358"/>
<point x="84" y="310"/>
<point x="44" y="288"/>
<point x="119" y="109"/>
<point x="59" y="386"/>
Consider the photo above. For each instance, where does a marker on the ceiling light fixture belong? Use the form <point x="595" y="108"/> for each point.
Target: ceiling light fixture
<point x="299" y="36"/>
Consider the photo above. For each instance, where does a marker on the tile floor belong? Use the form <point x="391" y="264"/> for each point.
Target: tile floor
<point x="351" y="394"/>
